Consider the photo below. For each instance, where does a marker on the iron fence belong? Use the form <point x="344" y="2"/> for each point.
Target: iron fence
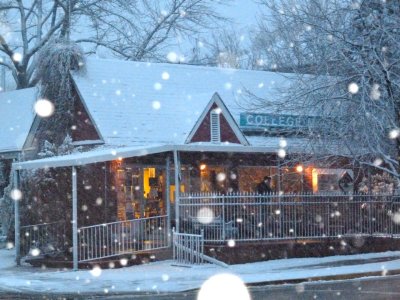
<point x="124" y="237"/>
<point x="188" y="248"/>
<point x="248" y="217"/>
<point x="43" y="238"/>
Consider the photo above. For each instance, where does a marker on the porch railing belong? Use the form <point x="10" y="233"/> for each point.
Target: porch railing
<point x="125" y="237"/>
<point x="248" y="217"/>
<point x="188" y="248"/>
<point x="43" y="238"/>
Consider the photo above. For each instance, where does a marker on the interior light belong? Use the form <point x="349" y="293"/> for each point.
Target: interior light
<point x="203" y="167"/>
<point x="299" y="168"/>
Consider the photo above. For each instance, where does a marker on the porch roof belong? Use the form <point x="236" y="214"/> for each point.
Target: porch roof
<point x="103" y="154"/>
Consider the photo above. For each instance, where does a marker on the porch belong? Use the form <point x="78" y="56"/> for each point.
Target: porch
<point x="127" y="202"/>
<point x="230" y="220"/>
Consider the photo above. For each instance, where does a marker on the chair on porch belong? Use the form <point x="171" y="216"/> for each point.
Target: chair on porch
<point x="217" y="229"/>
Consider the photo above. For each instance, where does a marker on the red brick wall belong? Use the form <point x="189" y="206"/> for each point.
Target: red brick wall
<point x="84" y="129"/>
<point x="203" y="132"/>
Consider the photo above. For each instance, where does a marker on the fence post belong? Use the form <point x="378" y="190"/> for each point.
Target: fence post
<point x="223" y="217"/>
<point x="369" y="215"/>
<point x="173" y="244"/>
<point x="202" y="246"/>
<point x="328" y="216"/>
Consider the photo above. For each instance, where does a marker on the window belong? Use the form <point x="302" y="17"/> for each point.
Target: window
<point x="215" y="126"/>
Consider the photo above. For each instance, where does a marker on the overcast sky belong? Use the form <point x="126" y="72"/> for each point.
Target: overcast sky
<point x="243" y="12"/>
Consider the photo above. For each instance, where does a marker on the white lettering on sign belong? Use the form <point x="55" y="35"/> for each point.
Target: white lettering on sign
<point x="270" y="120"/>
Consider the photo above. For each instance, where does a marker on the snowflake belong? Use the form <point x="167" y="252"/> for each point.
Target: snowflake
<point x="157" y="86"/>
<point x="353" y="88"/>
<point x="156" y="104"/>
<point x="165" y="75"/>
<point x="96" y="271"/>
<point x="172" y="57"/>
<point x="17" y="57"/>
<point x="44" y="108"/>
<point x="281" y="153"/>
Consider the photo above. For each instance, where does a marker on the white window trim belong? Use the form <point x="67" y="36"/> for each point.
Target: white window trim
<point x="215" y="126"/>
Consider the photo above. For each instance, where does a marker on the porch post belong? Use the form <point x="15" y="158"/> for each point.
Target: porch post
<point x="177" y="188"/>
<point x="17" y="220"/>
<point x="279" y="177"/>
<point x="74" y="219"/>
<point x="167" y="199"/>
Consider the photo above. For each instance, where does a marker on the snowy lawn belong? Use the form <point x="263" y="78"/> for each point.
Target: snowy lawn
<point x="164" y="276"/>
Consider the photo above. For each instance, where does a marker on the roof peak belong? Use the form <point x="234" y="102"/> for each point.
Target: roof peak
<point x="184" y="66"/>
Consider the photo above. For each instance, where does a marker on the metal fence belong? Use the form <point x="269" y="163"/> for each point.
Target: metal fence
<point x="117" y="238"/>
<point x="249" y="217"/>
<point x="43" y="238"/>
<point x="188" y="248"/>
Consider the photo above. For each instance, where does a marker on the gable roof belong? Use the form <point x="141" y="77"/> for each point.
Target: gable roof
<point x="138" y="103"/>
<point x="216" y="100"/>
<point x="16" y="119"/>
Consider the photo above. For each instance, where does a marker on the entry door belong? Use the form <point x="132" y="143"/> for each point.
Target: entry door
<point x="153" y="191"/>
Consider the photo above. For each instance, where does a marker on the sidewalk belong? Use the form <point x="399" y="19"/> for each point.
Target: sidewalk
<point x="165" y="276"/>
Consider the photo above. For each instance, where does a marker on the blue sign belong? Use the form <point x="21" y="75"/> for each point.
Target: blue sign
<point x="269" y="121"/>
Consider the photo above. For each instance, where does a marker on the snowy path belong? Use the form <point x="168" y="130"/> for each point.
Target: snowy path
<point x="163" y="276"/>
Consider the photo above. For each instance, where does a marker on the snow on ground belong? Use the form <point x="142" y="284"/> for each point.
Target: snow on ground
<point x="164" y="276"/>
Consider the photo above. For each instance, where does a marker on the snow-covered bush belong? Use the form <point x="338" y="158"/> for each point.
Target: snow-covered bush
<point x="379" y="184"/>
<point x="56" y="61"/>
<point x="6" y="213"/>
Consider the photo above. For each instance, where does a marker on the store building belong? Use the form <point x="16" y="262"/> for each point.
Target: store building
<point x="147" y="128"/>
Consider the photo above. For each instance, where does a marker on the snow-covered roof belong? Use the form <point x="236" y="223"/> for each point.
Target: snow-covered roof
<point x="135" y="103"/>
<point x="104" y="153"/>
<point x="16" y="118"/>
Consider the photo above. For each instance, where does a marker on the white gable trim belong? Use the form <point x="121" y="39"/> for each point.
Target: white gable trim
<point x="225" y="112"/>
<point x="28" y="144"/>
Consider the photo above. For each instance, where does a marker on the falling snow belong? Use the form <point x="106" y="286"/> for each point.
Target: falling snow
<point x="44" y="108"/>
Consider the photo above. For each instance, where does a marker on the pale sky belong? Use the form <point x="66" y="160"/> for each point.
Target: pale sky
<point x="243" y="12"/>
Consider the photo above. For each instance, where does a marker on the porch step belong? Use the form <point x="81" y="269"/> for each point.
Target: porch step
<point x="62" y="262"/>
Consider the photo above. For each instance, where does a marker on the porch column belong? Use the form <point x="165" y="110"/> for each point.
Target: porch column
<point x="177" y="188"/>
<point x="278" y="190"/>
<point x="17" y="228"/>
<point x="74" y="219"/>
<point x="167" y="198"/>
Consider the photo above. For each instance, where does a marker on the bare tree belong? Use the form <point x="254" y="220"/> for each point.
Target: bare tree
<point x="136" y="30"/>
<point x="345" y="57"/>
<point x="226" y="48"/>
<point x="28" y="26"/>
<point x="144" y="29"/>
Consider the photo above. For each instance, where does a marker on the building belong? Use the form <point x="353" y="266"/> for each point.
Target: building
<point x="142" y="129"/>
